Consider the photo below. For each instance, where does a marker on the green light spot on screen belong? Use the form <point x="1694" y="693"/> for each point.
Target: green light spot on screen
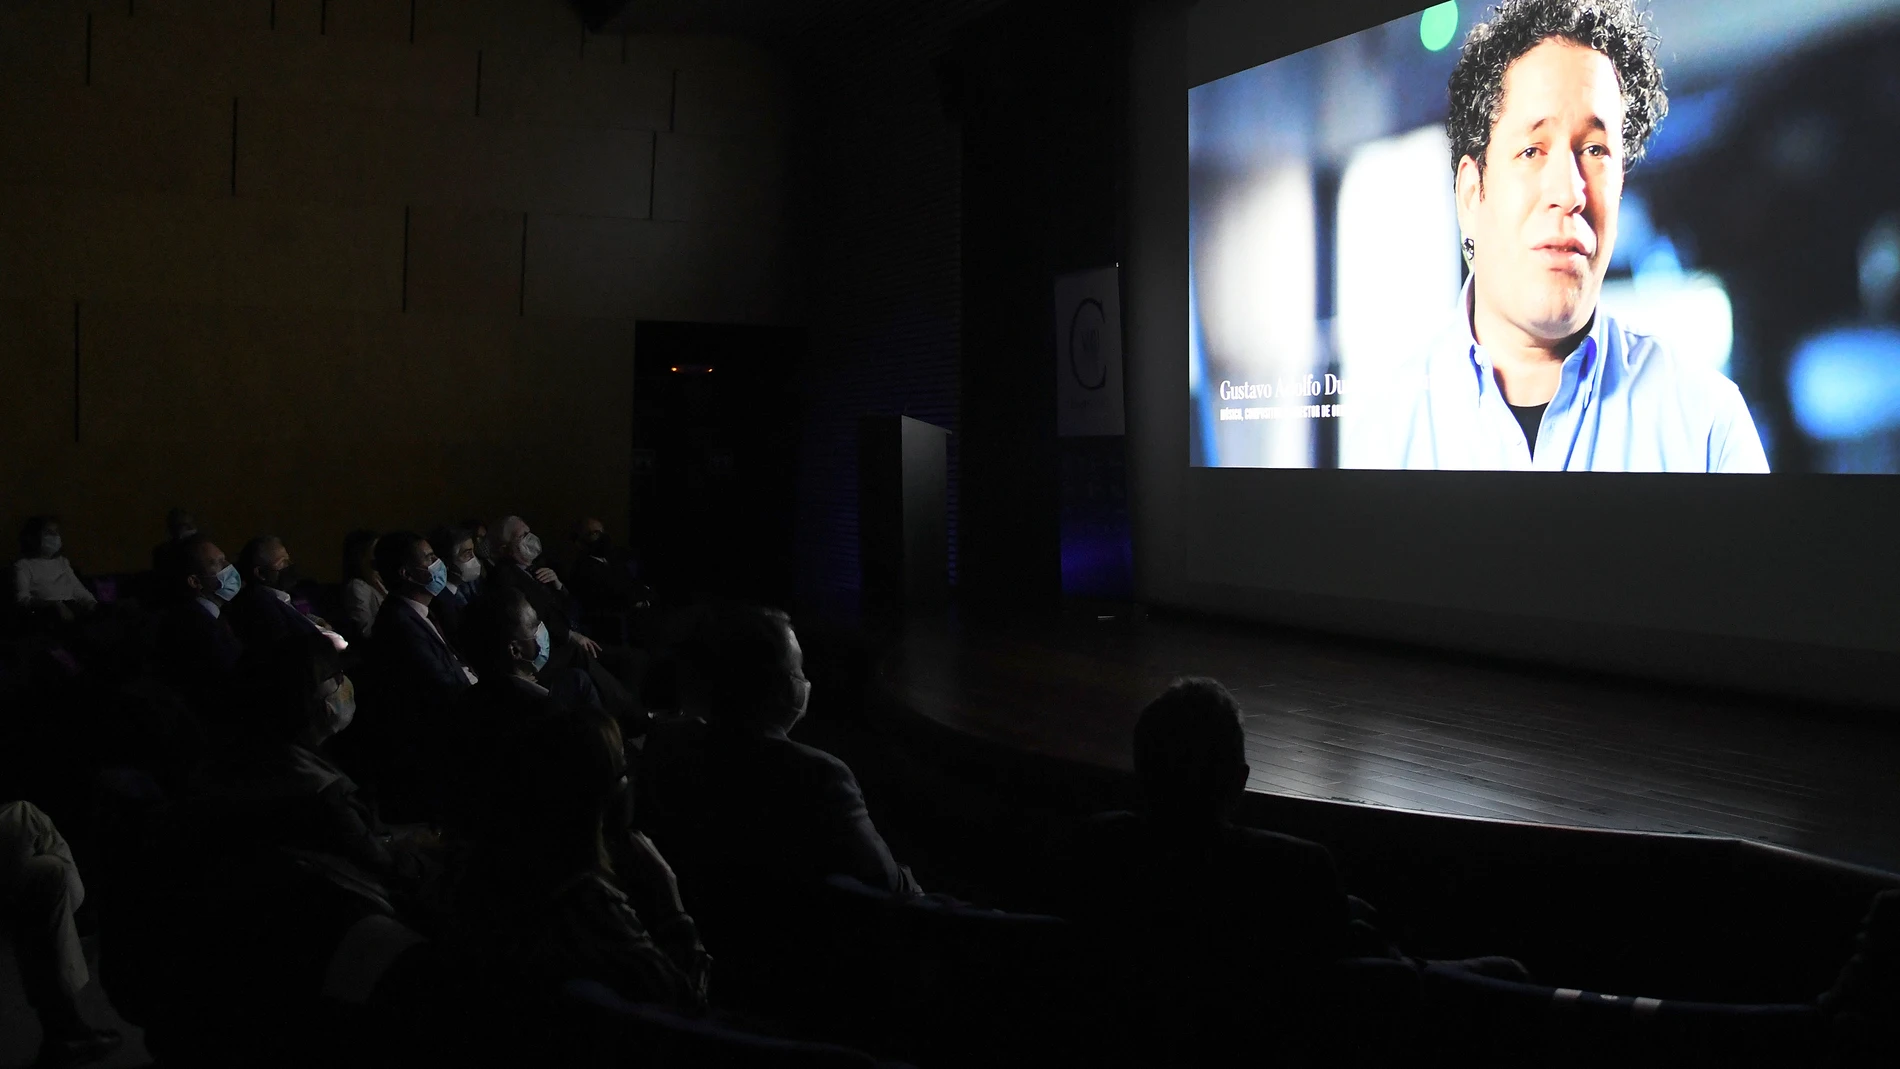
<point x="1438" y="25"/>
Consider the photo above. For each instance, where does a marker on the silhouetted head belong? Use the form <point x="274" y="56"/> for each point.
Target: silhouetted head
<point x="359" y="551"/>
<point x="498" y="634"/>
<point x="199" y="570"/>
<point x="1189" y="753"/>
<point x="748" y="671"/>
<point x="456" y="547"/>
<point x="40" y="537"/>
<point x="408" y="565"/>
<point x="180" y="523"/>
<point x="265" y="560"/>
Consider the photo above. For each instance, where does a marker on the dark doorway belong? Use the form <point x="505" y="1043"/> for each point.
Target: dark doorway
<point x="715" y="447"/>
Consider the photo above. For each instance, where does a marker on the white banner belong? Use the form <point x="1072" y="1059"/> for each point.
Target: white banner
<point x="1089" y="353"/>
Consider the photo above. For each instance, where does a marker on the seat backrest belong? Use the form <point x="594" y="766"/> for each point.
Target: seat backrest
<point x="661" y="1038"/>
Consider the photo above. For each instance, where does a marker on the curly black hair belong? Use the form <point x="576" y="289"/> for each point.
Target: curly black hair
<point x="1612" y="27"/>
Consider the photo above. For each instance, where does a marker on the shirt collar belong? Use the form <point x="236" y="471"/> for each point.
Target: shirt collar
<point x="211" y="606"/>
<point x="280" y="595"/>
<point x="1585" y="354"/>
<point x="421" y="609"/>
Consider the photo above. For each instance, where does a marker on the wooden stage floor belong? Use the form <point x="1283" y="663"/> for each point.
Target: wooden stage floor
<point x="1359" y="722"/>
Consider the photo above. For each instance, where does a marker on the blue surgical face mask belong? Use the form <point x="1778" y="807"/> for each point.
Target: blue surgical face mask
<point x="438" y="577"/>
<point x="541" y="647"/>
<point x="229" y="583"/>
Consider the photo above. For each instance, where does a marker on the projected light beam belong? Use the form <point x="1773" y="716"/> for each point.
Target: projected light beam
<point x="1438" y="25"/>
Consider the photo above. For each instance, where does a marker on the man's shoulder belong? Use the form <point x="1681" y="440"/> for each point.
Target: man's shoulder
<point x="1278" y="844"/>
<point x="1634" y="353"/>
<point x="807" y="758"/>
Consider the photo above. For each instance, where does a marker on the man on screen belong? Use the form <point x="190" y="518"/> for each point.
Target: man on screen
<point x="1551" y="102"/>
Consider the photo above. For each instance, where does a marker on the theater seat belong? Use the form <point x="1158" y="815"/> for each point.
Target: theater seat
<point x="1477" y="1019"/>
<point x="631" y="1033"/>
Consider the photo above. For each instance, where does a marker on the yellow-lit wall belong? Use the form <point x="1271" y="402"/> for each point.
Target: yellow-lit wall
<point x="309" y="265"/>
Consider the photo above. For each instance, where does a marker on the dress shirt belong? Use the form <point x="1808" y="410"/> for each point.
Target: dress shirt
<point x="211" y="606"/>
<point x="1624" y="402"/>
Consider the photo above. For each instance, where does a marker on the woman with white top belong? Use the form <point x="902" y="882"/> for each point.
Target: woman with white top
<point x="363" y="591"/>
<point x="43" y="579"/>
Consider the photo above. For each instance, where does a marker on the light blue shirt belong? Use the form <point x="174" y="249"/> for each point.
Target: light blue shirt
<point x="1624" y="403"/>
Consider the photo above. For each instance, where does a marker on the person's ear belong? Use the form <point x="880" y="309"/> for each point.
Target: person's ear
<point x="1469" y="192"/>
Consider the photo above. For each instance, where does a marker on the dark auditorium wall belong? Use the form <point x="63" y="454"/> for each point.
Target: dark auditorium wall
<point x="1040" y="88"/>
<point x="303" y="265"/>
<point x="878" y="216"/>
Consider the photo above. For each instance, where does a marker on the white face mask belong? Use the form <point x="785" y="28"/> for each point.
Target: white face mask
<point x="339" y="707"/>
<point x="471" y="569"/>
<point x="529" y="548"/>
<point x="50" y="545"/>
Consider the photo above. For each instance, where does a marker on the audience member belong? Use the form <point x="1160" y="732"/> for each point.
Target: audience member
<point x="457" y="549"/>
<point x="180" y="525"/>
<point x="517" y="553"/>
<point x="39" y="892"/>
<point x="197" y="648"/>
<point x="1223" y="923"/>
<point x="601" y="575"/>
<point x="407" y="651"/>
<point x="363" y="590"/>
<point x="273" y="785"/>
<point x="508" y="646"/>
<point x="262" y="612"/>
<point x="484" y="548"/>
<point x="737" y="794"/>
<point x="537" y="898"/>
<point x="43" y="579"/>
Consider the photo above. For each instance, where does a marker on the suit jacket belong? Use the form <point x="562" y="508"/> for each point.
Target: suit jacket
<point x="409" y="661"/>
<point x="446" y="610"/>
<point x="197" y="653"/>
<point x="720" y="800"/>
<point x="259" y="617"/>
<point x="547" y="601"/>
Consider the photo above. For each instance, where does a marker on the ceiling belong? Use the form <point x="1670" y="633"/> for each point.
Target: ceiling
<point x="780" y="19"/>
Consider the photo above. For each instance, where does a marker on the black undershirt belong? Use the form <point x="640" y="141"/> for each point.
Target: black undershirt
<point x="1529" y="417"/>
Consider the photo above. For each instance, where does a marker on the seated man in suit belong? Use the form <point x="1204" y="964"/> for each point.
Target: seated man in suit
<point x="262" y="613"/>
<point x="615" y="670"/>
<point x="456" y="547"/>
<point x="1221" y="923"/>
<point x="737" y="795"/>
<point x="506" y="644"/>
<point x="412" y="676"/>
<point x="601" y="574"/>
<point x="197" y="650"/>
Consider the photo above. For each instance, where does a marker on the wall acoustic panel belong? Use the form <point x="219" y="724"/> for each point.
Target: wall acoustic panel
<point x="247" y="14"/>
<point x="78" y="138"/>
<point x="236" y="251"/>
<point x="709" y="272"/>
<point x="44" y="47"/>
<point x="729" y="99"/>
<point x="37" y="257"/>
<point x="36" y="348"/>
<point x="701" y="178"/>
<point x="596" y="266"/>
<point x="200" y="374"/>
<point x="501" y="25"/>
<point x="563" y="90"/>
<point x="464" y="260"/>
<point x="184" y="56"/>
<point x="355" y="155"/>
<point x="375" y="20"/>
